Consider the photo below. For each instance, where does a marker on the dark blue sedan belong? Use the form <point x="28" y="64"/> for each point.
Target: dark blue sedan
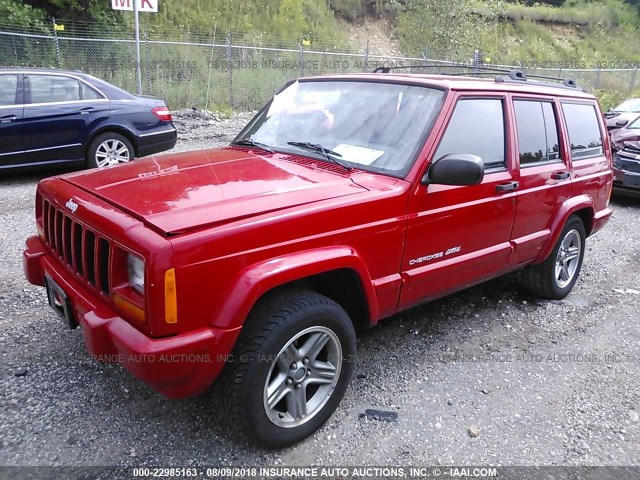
<point x="60" y="117"/>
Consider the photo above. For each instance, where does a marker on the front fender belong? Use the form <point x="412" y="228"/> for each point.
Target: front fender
<point x="255" y="280"/>
<point x="569" y="207"/>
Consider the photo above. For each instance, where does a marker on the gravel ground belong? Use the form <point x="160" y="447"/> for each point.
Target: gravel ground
<point x="539" y="382"/>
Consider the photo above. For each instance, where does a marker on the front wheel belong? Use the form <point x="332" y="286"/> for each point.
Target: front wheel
<point x="554" y="278"/>
<point x="292" y="366"/>
<point x="109" y="149"/>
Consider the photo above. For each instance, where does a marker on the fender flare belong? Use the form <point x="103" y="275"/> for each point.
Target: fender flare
<point x="257" y="279"/>
<point x="569" y="207"/>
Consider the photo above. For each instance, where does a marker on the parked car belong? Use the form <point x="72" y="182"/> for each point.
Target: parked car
<point x="624" y="113"/>
<point x="345" y="200"/>
<point x="54" y="117"/>
<point x="626" y="160"/>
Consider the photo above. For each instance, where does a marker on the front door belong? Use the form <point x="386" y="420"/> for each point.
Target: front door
<point x="11" y="126"/>
<point x="459" y="235"/>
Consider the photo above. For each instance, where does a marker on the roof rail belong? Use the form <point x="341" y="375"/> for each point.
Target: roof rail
<point x="512" y="74"/>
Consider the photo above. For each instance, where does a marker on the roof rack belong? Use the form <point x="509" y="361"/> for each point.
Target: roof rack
<point x="513" y="76"/>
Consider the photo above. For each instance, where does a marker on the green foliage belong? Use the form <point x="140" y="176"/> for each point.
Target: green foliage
<point x="612" y="98"/>
<point x="21" y="15"/>
<point x="349" y="9"/>
<point x="446" y="28"/>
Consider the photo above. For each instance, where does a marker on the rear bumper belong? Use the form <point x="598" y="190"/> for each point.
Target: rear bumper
<point x="600" y="219"/>
<point x="155" y="142"/>
<point x="180" y="366"/>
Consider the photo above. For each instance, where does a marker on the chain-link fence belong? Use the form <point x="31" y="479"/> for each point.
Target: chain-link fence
<point x="221" y="73"/>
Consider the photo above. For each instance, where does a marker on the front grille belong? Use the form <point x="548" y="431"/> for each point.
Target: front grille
<point x="83" y="250"/>
<point x="622" y="162"/>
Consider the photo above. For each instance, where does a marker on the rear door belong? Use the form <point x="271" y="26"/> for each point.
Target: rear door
<point x="11" y="126"/>
<point x="459" y="235"/>
<point x="589" y="150"/>
<point x="58" y="119"/>
<point x="544" y="174"/>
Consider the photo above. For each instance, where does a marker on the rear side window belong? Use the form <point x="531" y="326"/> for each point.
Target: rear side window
<point x="89" y="93"/>
<point x="584" y="130"/>
<point x="476" y="127"/>
<point x="8" y="89"/>
<point x="537" y="132"/>
<point x="52" y="88"/>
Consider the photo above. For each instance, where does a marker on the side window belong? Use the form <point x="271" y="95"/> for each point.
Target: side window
<point x="584" y="130"/>
<point x="8" y="89"/>
<point x="89" y="93"/>
<point x="52" y="88"/>
<point x="537" y="132"/>
<point x="476" y="127"/>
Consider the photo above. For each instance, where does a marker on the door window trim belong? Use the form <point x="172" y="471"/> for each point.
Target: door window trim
<point x="503" y="99"/>
<point x="558" y="131"/>
<point x="598" y="122"/>
<point x="55" y="74"/>
<point x="19" y="90"/>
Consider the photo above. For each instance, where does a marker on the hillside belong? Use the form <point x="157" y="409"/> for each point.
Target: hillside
<point x="557" y="34"/>
<point x="582" y="31"/>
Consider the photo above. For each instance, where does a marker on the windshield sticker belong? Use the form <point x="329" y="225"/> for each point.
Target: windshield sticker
<point x="361" y="155"/>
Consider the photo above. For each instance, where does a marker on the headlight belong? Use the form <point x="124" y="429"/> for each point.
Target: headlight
<point x="135" y="269"/>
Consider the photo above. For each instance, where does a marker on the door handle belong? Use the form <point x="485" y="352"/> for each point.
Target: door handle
<point x="8" y="118"/>
<point x="560" y="175"/>
<point x="86" y="110"/>
<point x="507" y="187"/>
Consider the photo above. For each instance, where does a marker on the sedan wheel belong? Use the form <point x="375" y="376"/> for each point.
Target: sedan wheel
<point x="112" y="152"/>
<point x="109" y="149"/>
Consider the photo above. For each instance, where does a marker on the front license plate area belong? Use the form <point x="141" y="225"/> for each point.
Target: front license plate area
<point x="59" y="302"/>
<point x="632" y="181"/>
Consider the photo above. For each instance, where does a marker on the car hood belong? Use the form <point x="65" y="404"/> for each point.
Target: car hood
<point x="179" y="192"/>
<point x="612" y="118"/>
<point x="622" y="137"/>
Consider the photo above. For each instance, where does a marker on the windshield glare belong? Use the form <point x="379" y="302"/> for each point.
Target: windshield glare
<point x="372" y="126"/>
<point x="632" y="105"/>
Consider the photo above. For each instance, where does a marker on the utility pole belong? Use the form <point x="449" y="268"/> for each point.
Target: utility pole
<point x="136" y="21"/>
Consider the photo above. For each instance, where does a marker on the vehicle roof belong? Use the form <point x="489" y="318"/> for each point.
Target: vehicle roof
<point x="43" y="70"/>
<point x="465" y="83"/>
<point x="113" y="92"/>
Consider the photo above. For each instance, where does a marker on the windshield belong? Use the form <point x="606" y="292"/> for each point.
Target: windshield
<point x="635" y="124"/>
<point x="371" y="126"/>
<point x="632" y="105"/>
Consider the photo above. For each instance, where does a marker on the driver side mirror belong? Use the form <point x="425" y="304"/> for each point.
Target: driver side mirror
<point x="455" y="169"/>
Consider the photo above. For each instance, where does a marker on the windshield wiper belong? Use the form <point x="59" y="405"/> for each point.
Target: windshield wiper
<point x="249" y="142"/>
<point x="325" y="152"/>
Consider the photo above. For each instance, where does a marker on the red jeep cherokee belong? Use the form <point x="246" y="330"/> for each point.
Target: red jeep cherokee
<point x="344" y="201"/>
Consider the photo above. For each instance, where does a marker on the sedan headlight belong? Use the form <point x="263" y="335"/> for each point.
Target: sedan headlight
<point x="135" y="269"/>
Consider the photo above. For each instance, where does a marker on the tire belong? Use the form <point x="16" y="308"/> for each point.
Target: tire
<point x="554" y="278"/>
<point x="291" y="342"/>
<point x="109" y="149"/>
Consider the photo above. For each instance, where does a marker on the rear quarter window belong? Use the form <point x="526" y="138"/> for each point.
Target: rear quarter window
<point x="585" y="135"/>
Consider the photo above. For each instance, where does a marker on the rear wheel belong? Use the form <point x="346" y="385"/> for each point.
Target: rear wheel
<point x="292" y="366"/>
<point x="109" y="149"/>
<point x="555" y="277"/>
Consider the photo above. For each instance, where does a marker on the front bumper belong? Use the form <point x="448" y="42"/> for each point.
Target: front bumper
<point x="626" y="174"/>
<point x="179" y="366"/>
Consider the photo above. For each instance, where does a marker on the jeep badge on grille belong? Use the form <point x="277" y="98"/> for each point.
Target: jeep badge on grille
<point x="71" y="205"/>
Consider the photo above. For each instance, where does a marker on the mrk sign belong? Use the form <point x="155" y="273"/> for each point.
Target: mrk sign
<point x="143" y="5"/>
